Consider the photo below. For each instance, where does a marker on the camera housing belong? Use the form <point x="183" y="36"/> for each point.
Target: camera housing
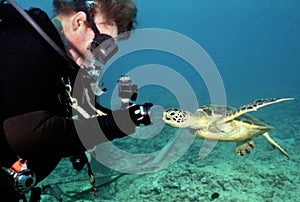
<point x="140" y="114"/>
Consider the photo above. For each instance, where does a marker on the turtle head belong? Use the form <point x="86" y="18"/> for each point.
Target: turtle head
<point x="176" y="117"/>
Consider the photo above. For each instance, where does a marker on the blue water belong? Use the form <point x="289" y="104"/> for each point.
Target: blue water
<point x="255" y="46"/>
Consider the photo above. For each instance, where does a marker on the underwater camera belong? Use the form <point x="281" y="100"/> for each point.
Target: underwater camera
<point x="128" y="92"/>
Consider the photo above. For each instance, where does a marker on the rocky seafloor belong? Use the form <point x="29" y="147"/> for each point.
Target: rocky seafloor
<point x="264" y="175"/>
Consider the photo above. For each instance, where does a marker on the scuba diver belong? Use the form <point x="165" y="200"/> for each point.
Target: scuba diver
<point x="49" y="79"/>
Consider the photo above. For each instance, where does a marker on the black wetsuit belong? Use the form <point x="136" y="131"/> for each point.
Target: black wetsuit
<point x="34" y="122"/>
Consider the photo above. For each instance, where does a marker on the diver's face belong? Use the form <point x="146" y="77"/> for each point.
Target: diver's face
<point x="83" y="36"/>
<point x="79" y="36"/>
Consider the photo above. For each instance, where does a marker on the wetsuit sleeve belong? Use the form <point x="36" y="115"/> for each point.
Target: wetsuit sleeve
<point x="42" y="132"/>
<point x="116" y="124"/>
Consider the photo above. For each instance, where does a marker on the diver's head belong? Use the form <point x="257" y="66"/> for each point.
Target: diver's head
<point x="91" y="27"/>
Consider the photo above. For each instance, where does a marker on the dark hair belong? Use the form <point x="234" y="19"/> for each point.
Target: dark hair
<point x="122" y="12"/>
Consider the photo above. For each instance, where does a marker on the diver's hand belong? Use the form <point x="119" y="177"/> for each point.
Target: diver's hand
<point x="140" y="114"/>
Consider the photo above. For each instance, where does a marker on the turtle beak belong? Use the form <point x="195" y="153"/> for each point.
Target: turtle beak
<point x="163" y="116"/>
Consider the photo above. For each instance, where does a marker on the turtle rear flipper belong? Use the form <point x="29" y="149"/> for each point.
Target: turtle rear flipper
<point x="243" y="147"/>
<point x="275" y="145"/>
<point x="252" y="106"/>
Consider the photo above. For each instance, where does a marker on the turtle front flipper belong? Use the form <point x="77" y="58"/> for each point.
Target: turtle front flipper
<point x="275" y="145"/>
<point x="243" y="147"/>
<point x="252" y="106"/>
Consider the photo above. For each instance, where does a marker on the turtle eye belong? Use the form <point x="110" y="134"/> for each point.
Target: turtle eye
<point x="172" y="114"/>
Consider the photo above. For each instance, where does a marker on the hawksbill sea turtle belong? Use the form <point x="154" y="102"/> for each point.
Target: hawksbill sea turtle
<point x="224" y="123"/>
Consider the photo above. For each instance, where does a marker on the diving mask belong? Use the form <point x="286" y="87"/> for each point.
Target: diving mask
<point x="103" y="46"/>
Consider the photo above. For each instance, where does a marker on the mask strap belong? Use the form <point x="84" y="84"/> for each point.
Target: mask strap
<point x="84" y="5"/>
